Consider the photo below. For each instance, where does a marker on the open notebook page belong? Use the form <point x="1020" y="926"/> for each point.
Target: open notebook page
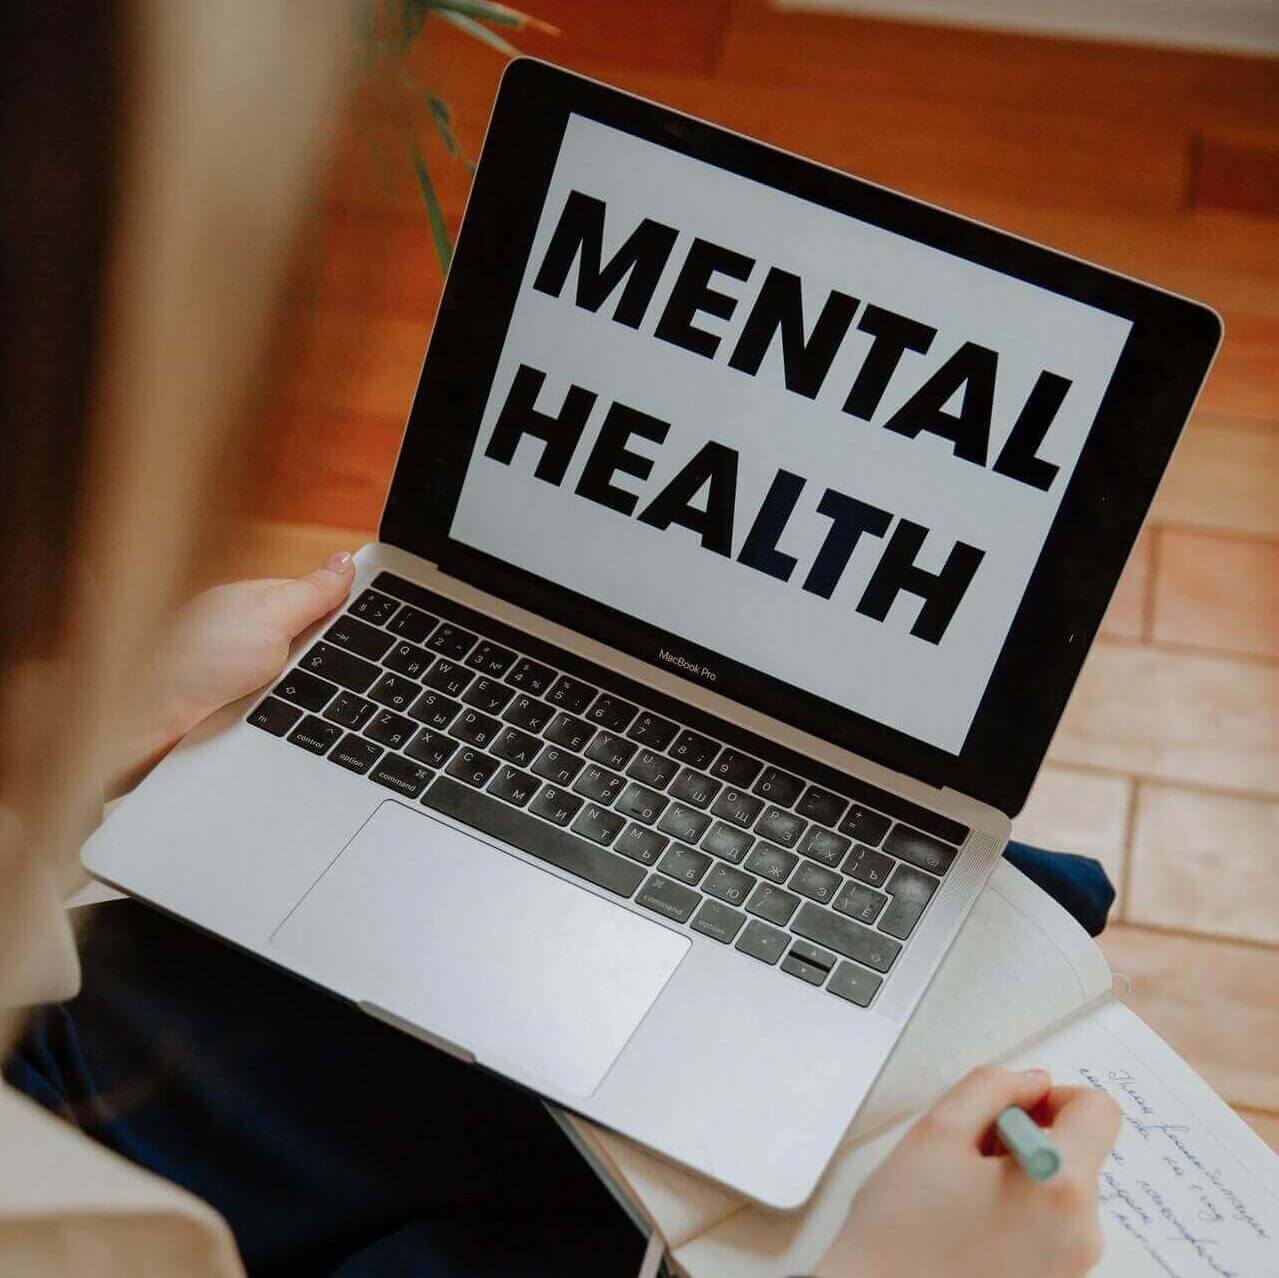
<point x="1190" y="1191"/>
<point x="1019" y="966"/>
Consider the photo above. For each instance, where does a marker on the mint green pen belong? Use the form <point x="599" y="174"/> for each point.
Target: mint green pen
<point x="1028" y="1143"/>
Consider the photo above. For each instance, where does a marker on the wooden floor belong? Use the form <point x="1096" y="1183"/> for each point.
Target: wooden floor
<point x="1159" y="163"/>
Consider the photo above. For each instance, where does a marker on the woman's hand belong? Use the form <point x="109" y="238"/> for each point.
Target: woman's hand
<point x="949" y="1201"/>
<point x="224" y="644"/>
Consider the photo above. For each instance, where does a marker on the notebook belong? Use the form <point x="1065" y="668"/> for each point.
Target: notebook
<point x="1190" y="1191"/>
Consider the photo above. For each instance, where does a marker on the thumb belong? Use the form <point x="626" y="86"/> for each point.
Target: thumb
<point x="294" y="605"/>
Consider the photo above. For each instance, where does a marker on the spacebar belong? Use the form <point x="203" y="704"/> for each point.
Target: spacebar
<point x="501" y="821"/>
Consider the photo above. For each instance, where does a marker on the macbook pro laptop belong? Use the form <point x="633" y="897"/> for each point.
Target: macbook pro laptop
<point x="750" y="527"/>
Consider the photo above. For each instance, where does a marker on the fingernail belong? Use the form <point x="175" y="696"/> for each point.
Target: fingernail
<point x="1038" y="1075"/>
<point x="339" y="562"/>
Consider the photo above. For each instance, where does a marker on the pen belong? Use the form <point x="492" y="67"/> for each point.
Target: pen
<point x="1028" y="1143"/>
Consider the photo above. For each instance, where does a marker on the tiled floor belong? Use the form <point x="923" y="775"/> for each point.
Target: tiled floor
<point x="1158" y="163"/>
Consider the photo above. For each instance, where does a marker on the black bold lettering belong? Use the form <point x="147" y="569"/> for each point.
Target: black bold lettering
<point x="849" y="519"/>
<point x="1018" y="458"/>
<point x="940" y="591"/>
<point x="715" y="469"/>
<point x="779" y="309"/>
<point x="759" y="550"/>
<point x="693" y="294"/>
<point x="610" y="455"/>
<point x="970" y="373"/>
<point x="519" y="418"/>
<point x="893" y="335"/>
<point x="579" y="235"/>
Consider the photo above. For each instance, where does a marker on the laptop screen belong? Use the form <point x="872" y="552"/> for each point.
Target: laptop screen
<point x="777" y="433"/>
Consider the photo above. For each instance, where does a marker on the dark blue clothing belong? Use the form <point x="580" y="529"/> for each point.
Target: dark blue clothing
<point x="332" y="1144"/>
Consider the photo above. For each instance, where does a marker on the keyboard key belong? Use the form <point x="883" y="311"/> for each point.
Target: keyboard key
<point x="431" y="748"/>
<point x="652" y="730"/>
<point x="640" y="844"/>
<point x="770" y="863"/>
<point x="727" y="842"/>
<point x="355" y="753"/>
<point x="728" y="884"/>
<point x="475" y="728"/>
<point x="412" y="624"/>
<point x="684" y="823"/>
<point x="718" y="921"/>
<point x="863" y="825"/>
<point x="490" y="659"/>
<point x="555" y="805"/>
<point x="571" y="694"/>
<point x="448" y="677"/>
<point x="738" y="807"/>
<point x="684" y="863"/>
<point x="695" y="788"/>
<point x="778" y="787"/>
<point x="780" y="827"/>
<point x="868" y="865"/>
<point x="349" y="710"/>
<point x="611" y="712"/>
<point x="488" y="695"/>
<point x="611" y="751"/>
<point x="821" y="806"/>
<point x="569" y="731"/>
<point x="693" y="749"/>
<point x="921" y="850"/>
<point x="528" y="713"/>
<point x="598" y="824"/>
<point x="373" y="607"/>
<point x="823" y="845"/>
<point x="391" y="730"/>
<point x="558" y="765"/>
<point x="307" y="690"/>
<point x="516" y="747"/>
<point x="399" y="774"/>
<point x="909" y="884"/>
<point x="395" y="691"/>
<point x="900" y="918"/>
<point x="599" y="784"/>
<point x="845" y="937"/>
<point x="653" y="769"/>
<point x="762" y="942"/>
<point x="356" y="636"/>
<point x="434" y="709"/>
<point x="735" y="768"/>
<point x="555" y="847"/>
<point x="815" y="882"/>
<point x="274" y="716"/>
<point x="408" y="659"/>
<point x="670" y="900"/>
<point x="451" y="641"/>
<point x="472" y="766"/>
<point x="314" y="734"/>
<point x="531" y="676"/>
<point x="855" y="984"/>
<point x="641" y="803"/>
<point x="514" y="785"/>
<point x="808" y="963"/>
<point x="773" y="904"/>
<point x="860" y="902"/>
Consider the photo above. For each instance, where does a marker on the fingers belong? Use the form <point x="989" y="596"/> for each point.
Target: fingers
<point x="1084" y="1124"/>
<point x="294" y="605"/>
<point x="973" y="1104"/>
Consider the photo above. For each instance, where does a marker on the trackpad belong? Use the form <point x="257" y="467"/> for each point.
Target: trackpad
<point x="528" y="973"/>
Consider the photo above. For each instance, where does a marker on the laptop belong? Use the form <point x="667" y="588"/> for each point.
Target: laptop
<point x="749" y="530"/>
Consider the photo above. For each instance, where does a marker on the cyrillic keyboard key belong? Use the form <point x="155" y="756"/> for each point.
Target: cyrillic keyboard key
<point x="762" y="942"/>
<point x="864" y="825"/>
<point x="821" y="806"/>
<point x="431" y="747"/>
<point x="670" y="900"/>
<point x="516" y="747"/>
<point x="854" y="983"/>
<point x="546" y="843"/>
<point x="684" y="864"/>
<point x="556" y="805"/>
<point x="355" y="753"/>
<point x="408" y="659"/>
<point x="612" y="751"/>
<point x="727" y="842"/>
<point x="569" y="731"/>
<point x="860" y="902"/>
<point x="598" y="824"/>
<point x="570" y="694"/>
<point x="695" y="788"/>
<point x="735" y="768"/>
<point x="738" y="807"/>
<point x="778" y="787"/>
<point x="401" y="775"/>
<point x="770" y="863"/>
<point x="451" y="641"/>
<point x="773" y="904"/>
<point x="358" y="637"/>
<point x="514" y="785"/>
<point x="472" y="766"/>
<point x="435" y="709"/>
<point x="558" y="765"/>
<point x="845" y="937"/>
<point x="412" y="624"/>
<point x="448" y="677"/>
<point x="475" y="728"/>
<point x="693" y="749"/>
<point x="684" y="823"/>
<point x="275" y="717"/>
<point x="599" y="784"/>
<point x="314" y="734"/>
<point x="823" y="845"/>
<point x="653" y="769"/>
<point x="652" y="730"/>
<point x="528" y="713"/>
<point x="488" y="695"/>
<point x="349" y="710"/>
<point x="719" y="921"/>
<point x="531" y="676"/>
<point x="815" y="882"/>
<point x="391" y="730"/>
<point x="780" y="827"/>
<point x="640" y="844"/>
<point x="642" y="804"/>
<point x="608" y="711"/>
<point x="395" y="691"/>
<point x="373" y="607"/>
<point x="490" y="659"/>
<point x="868" y="865"/>
<point x="728" y="884"/>
<point x="919" y="849"/>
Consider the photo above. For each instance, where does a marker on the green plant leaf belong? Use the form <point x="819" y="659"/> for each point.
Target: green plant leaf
<point x="441" y="117"/>
<point x="412" y="17"/>
<point x="500" y="15"/>
<point x="434" y="215"/>
<point x="481" y="33"/>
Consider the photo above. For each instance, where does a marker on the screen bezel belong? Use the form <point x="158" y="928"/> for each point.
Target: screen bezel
<point x="1168" y="354"/>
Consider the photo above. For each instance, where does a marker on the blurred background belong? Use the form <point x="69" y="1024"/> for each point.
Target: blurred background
<point x="1142" y="136"/>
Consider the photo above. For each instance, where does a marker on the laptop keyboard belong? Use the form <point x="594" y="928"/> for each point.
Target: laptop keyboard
<point x="827" y="881"/>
